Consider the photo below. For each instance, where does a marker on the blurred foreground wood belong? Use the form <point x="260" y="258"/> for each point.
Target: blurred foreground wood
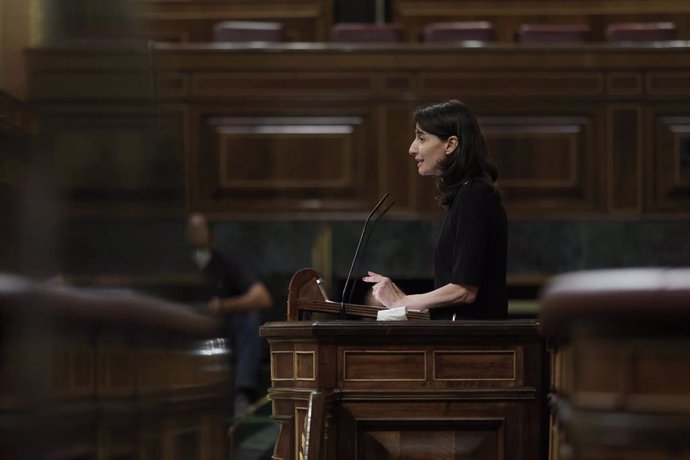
<point x="105" y="374"/>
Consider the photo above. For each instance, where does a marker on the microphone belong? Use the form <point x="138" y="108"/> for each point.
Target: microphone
<point x="364" y="248"/>
<point x="359" y="244"/>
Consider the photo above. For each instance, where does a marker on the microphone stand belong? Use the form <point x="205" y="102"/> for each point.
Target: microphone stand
<point x="365" y="246"/>
<point x="354" y="259"/>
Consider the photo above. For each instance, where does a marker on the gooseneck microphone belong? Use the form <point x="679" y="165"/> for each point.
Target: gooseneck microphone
<point x="359" y="244"/>
<point x="363" y="250"/>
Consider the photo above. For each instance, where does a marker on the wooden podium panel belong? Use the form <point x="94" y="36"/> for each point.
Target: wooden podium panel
<point x="409" y="389"/>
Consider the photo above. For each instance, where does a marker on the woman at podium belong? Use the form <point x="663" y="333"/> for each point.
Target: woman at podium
<point x="470" y="253"/>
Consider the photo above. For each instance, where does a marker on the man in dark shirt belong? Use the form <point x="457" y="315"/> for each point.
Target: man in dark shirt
<point x="236" y="295"/>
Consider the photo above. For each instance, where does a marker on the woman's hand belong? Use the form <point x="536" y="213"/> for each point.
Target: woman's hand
<point x="385" y="290"/>
<point x="215" y="305"/>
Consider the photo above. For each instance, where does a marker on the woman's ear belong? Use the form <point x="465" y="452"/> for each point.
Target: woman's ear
<point x="451" y="144"/>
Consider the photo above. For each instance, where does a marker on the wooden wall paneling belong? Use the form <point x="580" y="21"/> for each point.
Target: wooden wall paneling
<point x="397" y="169"/>
<point x="624" y="137"/>
<point x="624" y="84"/>
<point x="118" y="162"/>
<point x="553" y="109"/>
<point x="282" y="84"/>
<point x="15" y="35"/>
<point x="281" y="164"/>
<point x="114" y="152"/>
<point x="84" y="73"/>
<point x="111" y="86"/>
<point x="393" y="61"/>
<point x="523" y="83"/>
<point x="190" y="20"/>
<point x="668" y="160"/>
<point x="546" y="162"/>
<point x="662" y="83"/>
<point x="84" y="19"/>
<point x="18" y="128"/>
<point x="305" y="27"/>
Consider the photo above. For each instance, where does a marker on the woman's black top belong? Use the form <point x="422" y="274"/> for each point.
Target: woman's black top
<point x="471" y="249"/>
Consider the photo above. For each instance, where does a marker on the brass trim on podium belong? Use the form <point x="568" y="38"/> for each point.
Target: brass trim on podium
<point x="299" y="428"/>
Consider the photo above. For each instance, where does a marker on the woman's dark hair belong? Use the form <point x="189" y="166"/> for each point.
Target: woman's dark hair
<point x="470" y="160"/>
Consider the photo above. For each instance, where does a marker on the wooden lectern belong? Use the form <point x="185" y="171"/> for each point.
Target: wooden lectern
<point x="307" y="295"/>
<point x="372" y="390"/>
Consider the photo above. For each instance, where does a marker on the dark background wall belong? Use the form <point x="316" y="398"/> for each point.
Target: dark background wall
<point x="400" y="249"/>
<point x="357" y="10"/>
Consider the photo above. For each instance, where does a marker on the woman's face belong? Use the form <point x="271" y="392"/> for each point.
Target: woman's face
<point x="428" y="150"/>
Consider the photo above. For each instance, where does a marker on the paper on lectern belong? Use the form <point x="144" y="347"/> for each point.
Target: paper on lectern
<point x="392" y="314"/>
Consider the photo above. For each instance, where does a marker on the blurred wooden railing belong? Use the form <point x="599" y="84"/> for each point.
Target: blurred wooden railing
<point x="92" y="373"/>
